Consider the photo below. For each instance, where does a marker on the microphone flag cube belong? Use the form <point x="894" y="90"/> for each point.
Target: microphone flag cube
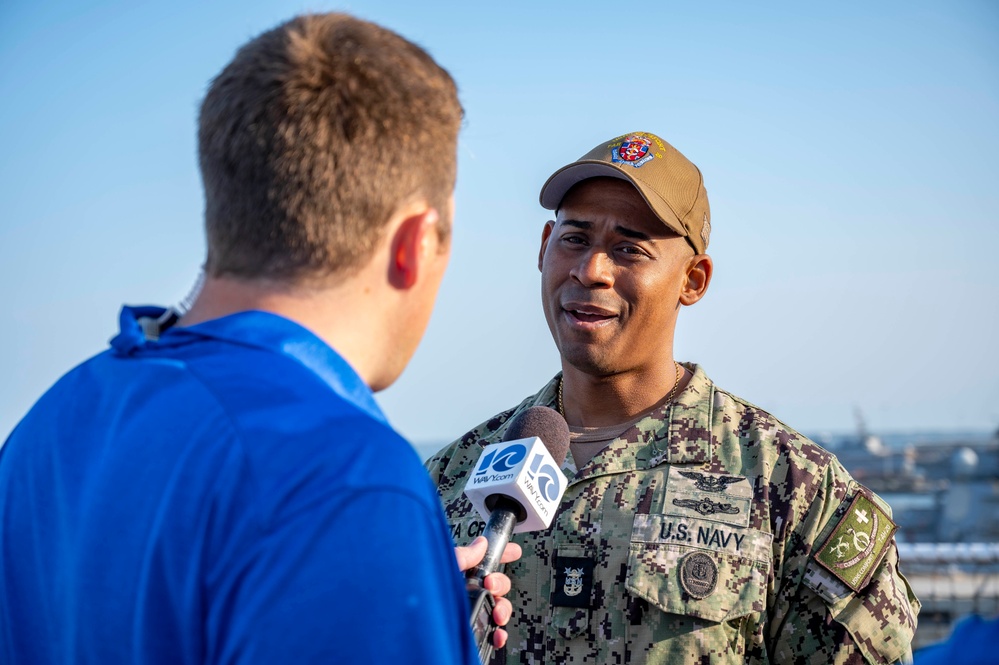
<point x="522" y="470"/>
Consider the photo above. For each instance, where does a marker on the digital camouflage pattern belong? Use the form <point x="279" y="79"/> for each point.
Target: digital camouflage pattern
<point x="693" y="538"/>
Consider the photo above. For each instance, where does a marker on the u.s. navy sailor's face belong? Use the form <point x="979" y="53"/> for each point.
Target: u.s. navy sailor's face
<point x="613" y="278"/>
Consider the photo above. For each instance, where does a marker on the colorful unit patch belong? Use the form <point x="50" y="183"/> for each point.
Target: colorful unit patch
<point x="858" y="543"/>
<point x="634" y="151"/>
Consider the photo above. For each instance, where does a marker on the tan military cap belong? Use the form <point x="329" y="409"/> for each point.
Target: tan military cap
<point x="671" y="185"/>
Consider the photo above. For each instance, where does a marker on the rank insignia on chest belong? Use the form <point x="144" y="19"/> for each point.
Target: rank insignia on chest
<point x="573" y="581"/>
<point x="858" y="543"/>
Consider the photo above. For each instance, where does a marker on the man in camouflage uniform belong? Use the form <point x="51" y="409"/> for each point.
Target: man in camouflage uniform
<point x="696" y="528"/>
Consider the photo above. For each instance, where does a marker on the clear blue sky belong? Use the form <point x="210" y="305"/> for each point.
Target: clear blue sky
<point x="850" y="152"/>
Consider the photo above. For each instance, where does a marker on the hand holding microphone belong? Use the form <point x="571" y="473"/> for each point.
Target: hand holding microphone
<point x="516" y="486"/>
<point x="497" y="584"/>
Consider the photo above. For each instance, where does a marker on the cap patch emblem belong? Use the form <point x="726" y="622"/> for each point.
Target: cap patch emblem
<point x="858" y="543"/>
<point x="634" y="151"/>
<point x="698" y="575"/>
<point x="573" y="581"/>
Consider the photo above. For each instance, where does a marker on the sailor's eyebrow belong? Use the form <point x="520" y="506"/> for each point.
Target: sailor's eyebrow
<point x="631" y="233"/>
<point x="622" y="230"/>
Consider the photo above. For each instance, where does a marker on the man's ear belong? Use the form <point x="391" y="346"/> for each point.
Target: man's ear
<point x="546" y="233"/>
<point x="414" y="239"/>
<point x="699" y="269"/>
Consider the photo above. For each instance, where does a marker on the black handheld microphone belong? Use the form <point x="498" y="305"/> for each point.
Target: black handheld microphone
<point x="516" y="486"/>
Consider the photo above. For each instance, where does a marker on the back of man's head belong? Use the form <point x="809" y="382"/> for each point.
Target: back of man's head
<point x="311" y="138"/>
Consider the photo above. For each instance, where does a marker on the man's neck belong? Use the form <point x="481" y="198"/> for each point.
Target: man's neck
<point x="603" y="401"/>
<point x="333" y="313"/>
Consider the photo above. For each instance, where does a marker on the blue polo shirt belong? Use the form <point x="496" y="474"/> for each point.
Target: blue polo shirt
<point x="229" y="493"/>
<point x="972" y="642"/>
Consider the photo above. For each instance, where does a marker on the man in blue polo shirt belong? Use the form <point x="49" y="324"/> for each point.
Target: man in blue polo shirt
<point x="223" y="488"/>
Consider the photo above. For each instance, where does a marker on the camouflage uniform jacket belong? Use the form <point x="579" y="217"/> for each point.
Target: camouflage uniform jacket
<point x="707" y="532"/>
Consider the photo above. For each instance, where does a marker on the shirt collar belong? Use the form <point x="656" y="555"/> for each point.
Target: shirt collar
<point x="677" y="433"/>
<point x="685" y="438"/>
<point x="256" y="329"/>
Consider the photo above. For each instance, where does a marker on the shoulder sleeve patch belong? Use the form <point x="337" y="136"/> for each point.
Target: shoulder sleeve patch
<point x="858" y="543"/>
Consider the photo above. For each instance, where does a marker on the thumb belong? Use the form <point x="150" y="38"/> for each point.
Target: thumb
<point x="471" y="554"/>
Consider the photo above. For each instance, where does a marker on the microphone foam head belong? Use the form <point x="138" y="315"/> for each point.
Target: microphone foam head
<point x="544" y="423"/>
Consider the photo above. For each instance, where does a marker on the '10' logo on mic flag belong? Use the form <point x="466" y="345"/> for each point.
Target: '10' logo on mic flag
<point x="524" y="471"/>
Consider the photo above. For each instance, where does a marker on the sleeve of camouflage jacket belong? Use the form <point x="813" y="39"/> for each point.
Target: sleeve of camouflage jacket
<point x="815" y="617"/>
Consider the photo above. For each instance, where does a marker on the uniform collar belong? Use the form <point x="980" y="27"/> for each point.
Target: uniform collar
<point x="255" y="329"/>
<point x="677" y="433"/>
<point x="685" y="436"/>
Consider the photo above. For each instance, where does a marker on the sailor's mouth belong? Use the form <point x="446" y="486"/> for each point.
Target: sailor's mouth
<point x="586" y="316"/>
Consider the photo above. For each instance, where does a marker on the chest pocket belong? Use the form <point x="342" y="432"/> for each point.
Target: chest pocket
<point x="698" y="568"/>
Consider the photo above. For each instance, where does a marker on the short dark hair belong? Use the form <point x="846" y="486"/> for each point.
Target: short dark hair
<point x="312" y="137"/>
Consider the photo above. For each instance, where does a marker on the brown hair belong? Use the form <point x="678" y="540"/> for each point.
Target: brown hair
<point x="312" y="137"/>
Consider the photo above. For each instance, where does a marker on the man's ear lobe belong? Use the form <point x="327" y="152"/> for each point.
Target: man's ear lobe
<point x="412" y="242"/>
<point x="700" y="267"/>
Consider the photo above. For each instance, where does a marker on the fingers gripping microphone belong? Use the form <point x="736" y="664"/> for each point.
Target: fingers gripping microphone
<point x="516" y="486"/>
